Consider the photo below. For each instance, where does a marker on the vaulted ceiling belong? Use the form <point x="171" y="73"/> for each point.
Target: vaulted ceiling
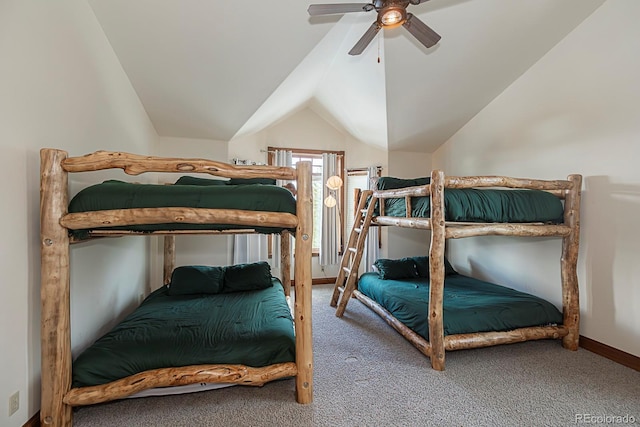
<point x="217" y="70"/>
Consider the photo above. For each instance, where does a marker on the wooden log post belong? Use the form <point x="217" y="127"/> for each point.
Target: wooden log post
<point x="569" y="265"/>
<point x="302" y="275"/>
<point x="285" y="261"/>
<point x="436" y="271"/>
<point x="169" y="258"/>
<point x="54" y="291"/>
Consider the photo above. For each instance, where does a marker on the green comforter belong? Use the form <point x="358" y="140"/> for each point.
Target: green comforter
<point x="115" y="194"/>
<point x="470" y="305"/>
<point x="252" y="328"/>
<point x="487" y="205"/>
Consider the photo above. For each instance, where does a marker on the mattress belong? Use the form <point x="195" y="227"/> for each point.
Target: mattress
<point x="470" y="305"/>
<point x="252" y="328"/>
<point x="114" y="194"/>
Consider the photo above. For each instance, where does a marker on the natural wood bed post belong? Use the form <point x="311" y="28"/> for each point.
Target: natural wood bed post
<point x="569" y="264"/>
<point x="169" y="258"/>
<point x="54" y="290"/>
<point x="285" y="261"/>
<point x="302" y="276"/>
<point x="436" y="271"/>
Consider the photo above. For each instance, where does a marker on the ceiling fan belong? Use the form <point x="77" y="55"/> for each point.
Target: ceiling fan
<point x="391" y="13"/>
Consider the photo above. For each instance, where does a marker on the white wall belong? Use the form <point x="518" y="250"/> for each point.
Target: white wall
<point x="61" y="86"/>
<point x="575" y="111"/>
<point x="402" y="242"/>
<point x="306" y="129"/>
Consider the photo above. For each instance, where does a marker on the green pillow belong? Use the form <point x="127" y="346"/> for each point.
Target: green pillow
<point x="192" y="180"/>
<point x="245" y="181"/>
<point x="247" y="277"/>
<point x="196" y="279"/>
<point x="403" y="268"/>
<point x="422" y="265"/>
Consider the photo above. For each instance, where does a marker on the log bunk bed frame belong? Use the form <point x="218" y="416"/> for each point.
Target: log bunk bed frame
<point x="58" y="398"/>
<point x="440" y="230"/>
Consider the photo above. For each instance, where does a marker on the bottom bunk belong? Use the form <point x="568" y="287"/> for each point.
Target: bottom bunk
<point x="476" y="313"/>
<point x="209" y="325"/>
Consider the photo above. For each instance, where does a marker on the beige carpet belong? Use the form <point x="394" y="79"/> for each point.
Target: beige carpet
<point x="368" y="375"/>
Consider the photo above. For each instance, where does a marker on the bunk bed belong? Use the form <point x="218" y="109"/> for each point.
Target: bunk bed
<point x="502" y="206"/>
<point x="192" y="208"/>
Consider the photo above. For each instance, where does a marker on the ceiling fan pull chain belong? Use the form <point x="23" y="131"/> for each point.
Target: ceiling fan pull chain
<point x="379" y="48"/>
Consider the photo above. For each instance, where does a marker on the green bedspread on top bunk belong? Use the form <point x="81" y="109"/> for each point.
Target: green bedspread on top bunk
<point x="478" y="205"/>
<point x="252" y="328"/>
<point x="115" y="194"/>
<point x="470" y="305"/>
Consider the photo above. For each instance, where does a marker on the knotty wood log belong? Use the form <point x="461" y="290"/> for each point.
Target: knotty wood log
<point x="398" y="193"/>
<point x="408" y="210"/>
<point x="303" y="282"/>
<point x="487" y="339"/>
<point x="419" y="342"/>
<point x="459" y="230"/>
<point x="569" y="265"/>
<point x="419" y="223"/>
<point x="504" y="181"/>
<point x="123" y="217"/>
<point x="285" y="261"/>
<point x="169" y="258"/>
<point x="135" y="164"/>
<point x="506" y="229"/>
<point x="436" y="271"/>
<point x="54" y="291"/>
<point x="169" y="377"/>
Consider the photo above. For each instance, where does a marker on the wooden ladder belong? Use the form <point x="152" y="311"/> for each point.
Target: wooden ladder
<point x="352" y="255"/>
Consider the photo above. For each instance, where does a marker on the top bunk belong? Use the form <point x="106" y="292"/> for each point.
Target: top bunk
<point x="478" y="205"/>
<point x="231" y="199"/>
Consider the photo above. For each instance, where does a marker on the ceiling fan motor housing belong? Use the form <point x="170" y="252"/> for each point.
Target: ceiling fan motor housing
<point x="392" y="13"/>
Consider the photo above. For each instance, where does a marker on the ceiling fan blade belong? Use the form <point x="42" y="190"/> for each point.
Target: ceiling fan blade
<point x="366" y="38"/>
<point x="330" y="9"/>
<point x="421" y="31"/>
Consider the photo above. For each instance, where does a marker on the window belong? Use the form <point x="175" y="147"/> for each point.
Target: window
<point x="356" y="180"/>
<point x="315" y="157"/>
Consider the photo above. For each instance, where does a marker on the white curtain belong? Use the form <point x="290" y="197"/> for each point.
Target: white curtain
<point x="329" y="243"/>
<point x="372" y="246"/>
<point x="249" y="248"/>
<point x="281" y="158"/>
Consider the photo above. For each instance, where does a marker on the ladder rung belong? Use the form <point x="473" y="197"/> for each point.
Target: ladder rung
<point x="354" y="250"/>
<point x="357" y="230"/>
<point x="347" y="269"/>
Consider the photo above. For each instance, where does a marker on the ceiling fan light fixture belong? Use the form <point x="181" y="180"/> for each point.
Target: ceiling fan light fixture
<point x="392" y="16"/>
